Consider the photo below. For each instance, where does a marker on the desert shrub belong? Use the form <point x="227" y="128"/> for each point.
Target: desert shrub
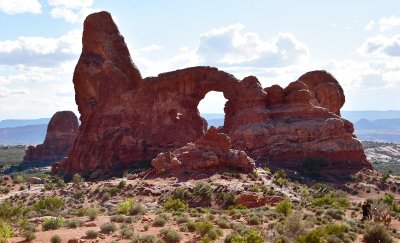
<point x="130" y="207"/>
<point x="174" y="205"/>
<point x="254" y="219"/>
<point x="8" y="212"/>
<point x="53" y="223"/>
<point x="331" y="199"/>
<point x="28" y="235"/>
<point x="124" y="207"/>
<point x="322" y="234"/>
<point x="206" y="229"/>
<point x="223" y="223"/>
<point x="385" y="177"/>
<point x="5" y="231"/>
<point x="55" y="239"/>
<point x="202" y="189"/>
<point x="284" y="207"/>
<point x="159" y="221"/>
<point x="388" y="198"/>
<point x="117" y="218"/>
<point x="77" y="179"/>
<point x="60" y="183"/>
<point x="52" y="204"/>
<point x="377" y="233"/>
<point x="250" y="236"/>
<point x="181" y="193"/>
<point x="335" y="213"/>
<point x="229" y="198"/>
<point x="145" y="239"/>
<point x="92" y="212"/>
<point x="292" y="225"/>
<point x="73" y="223"/>
<point x="92" y="234"/>
<point x="127" y="233"/>
<point x="78" y="194"/>
<point x="121" y="184"/>
<point x="81" y="212"/>
<point x="180" y="219"/>
<point x="170" y="235"/>
<point x="108" y="228"/>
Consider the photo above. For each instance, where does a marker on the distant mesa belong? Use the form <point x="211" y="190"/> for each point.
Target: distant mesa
<point x="61" y="133"/>
<point x="127" y="120"/>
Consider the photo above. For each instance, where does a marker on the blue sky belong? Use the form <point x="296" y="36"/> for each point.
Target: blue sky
<point x="357" y="41"/>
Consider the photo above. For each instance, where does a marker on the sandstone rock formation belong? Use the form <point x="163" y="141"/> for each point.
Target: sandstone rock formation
<point x="61" y="133"/>
<point x="127" y="120"/>
<point x="208" y="152"/>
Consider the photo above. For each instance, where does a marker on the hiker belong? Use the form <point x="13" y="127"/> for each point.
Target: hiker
<point x="364" y="208"/>
<point x="29" y="186"/>
<point x="369" y="211"/>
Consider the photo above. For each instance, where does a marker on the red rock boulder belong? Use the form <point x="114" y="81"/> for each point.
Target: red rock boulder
<point x="61" y="134"/>
<point x="212" y="151"/>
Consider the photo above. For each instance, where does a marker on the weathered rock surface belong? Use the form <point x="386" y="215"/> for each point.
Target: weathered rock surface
<point x="127" y="120"/>
<point x="61" y="133"/>
<point x="208" y="152"/>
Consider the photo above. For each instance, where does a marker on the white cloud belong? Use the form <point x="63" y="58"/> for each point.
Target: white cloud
<point x="72" y="11"/>
<point x="381" y="46"/>
<point x="41" y="51"/>
<point x="20" y="6"/>
<point x="370" y="25"/>
<point x="389" y="23"/>
<point x="153" y="47"/>
<point x="71" y="16"/>
<point x="71" y="3"/>
<point x="230" y="46"/>
<point x="5" y="92"/>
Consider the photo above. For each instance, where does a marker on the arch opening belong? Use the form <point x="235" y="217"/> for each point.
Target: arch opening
<point x="211" y="108"/>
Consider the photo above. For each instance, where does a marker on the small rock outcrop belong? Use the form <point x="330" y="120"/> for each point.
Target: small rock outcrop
<point x="61" y="133"/>
<point x="127" y="120"/>
<point x="212" y="151"/>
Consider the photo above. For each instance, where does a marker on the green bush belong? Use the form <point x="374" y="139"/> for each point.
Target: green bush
<point x="127" y="233"/>
<point x="174" y="205"/>
<point x="250" y="236"/>
<point x="181" y="193"/>
<point x="202" y="189"/>
<point x="206" y="229"/>
<point x="108" y="228"/>
<point x="324" y="233"/>
<point x="170" y="235"/>
<point x="52" y="223"/>
<point x="284" y="207"/>
<point x="5" y="231"/>
<point x="254" y="219"/>
<point x="73" y="224"/>
<point x="9" y="213"/>
<point x="377" y="233"/>
<point x="159" y="221"/>
<point x="55" y="239"/>
<point x="92" y="234"/>
<point x="92" y="212"/>
<point x="335" y="213"/>
<point x="130" y="207"/>
<point x="331" y="199"/>
<point x="52" y="204"/>
<point x="77" y="179"/>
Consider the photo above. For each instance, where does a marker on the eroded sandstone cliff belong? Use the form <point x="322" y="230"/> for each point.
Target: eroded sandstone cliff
<point x="126" y="120"/>
<point x="61" y="133"/>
